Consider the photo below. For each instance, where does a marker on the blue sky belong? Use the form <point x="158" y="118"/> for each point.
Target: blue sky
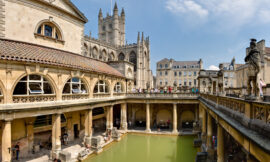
<point x="214" y="30"/>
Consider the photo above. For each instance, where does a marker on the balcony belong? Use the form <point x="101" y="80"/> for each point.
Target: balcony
<point x="75" y="96"/>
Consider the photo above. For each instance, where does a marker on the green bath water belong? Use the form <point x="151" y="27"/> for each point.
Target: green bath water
<point x="144" y="148"/>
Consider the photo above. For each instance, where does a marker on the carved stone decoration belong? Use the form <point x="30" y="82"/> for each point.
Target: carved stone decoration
<point x="254" y="64"/>
<point x="221" y="79"/>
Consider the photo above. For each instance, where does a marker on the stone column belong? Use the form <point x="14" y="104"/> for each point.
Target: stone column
<point x="88" y="123"/>
<point x="220" y="144"/>
<point x="203" y="121"/>
<point x="30" y="134"/>
<point x="56" y="135"/>
<point x="109" y="117"/>
<point x="70" y="131"/>
<point x="148" y="118"/>
<point x="6" y="141"/>
<point x="175" y="118"/>
<point x="124" y="116"/>
<point x="209" y="131"/>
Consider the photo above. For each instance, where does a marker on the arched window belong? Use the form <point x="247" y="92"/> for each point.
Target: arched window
<point x="111" y="57"/>
<point x="75" y="86"/>
<point x="33" y="85"/>
<point x="101" y="87"/>
<point x="48" y="29"/>
<point x="104" y="55"/>
<point x="95" y="53"/>
<point x="133" y="59"/>
<point x="85" y="50"/>
<point x="118" y="88"/>
<point x="121" y="57"/>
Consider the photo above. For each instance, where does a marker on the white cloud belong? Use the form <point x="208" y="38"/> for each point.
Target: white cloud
<point x="213" y="67"/>
<point x="225" y="13"/>
<point x="186" y="7"/>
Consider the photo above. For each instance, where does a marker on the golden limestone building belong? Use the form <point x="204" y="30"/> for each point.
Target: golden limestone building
<point x="46" y="60"/>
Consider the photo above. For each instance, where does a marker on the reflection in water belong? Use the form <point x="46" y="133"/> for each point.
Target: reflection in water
<point x="144" y="148"/>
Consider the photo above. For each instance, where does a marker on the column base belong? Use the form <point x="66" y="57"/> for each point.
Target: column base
<point x="148" y="130"/>
<point x="175" y="132"/>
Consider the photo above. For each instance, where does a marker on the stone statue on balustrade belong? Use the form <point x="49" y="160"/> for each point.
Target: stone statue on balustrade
<point x="254" y="64"/>
<point x="221" y="80"/>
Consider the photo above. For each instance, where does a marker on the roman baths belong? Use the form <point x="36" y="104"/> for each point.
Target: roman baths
<point x="66" y="96"/>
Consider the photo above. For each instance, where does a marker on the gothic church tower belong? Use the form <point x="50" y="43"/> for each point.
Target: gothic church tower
<point x="112" y="27"/>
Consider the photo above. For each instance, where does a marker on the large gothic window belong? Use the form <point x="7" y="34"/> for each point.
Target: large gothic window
<point x="48" y="29"/>
<point x="121" y="57"/>
<point x="33" y="85"/>
<point x="133" y="59"/>
<point x="118" y="88"/>
<point x="75" y="86"/>
<point x="101" y="87"/>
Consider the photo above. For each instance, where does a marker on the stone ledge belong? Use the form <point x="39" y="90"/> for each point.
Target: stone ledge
<point x="254" y="136"/>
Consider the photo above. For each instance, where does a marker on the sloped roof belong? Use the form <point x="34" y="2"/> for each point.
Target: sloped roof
<point x="26" y="52"/>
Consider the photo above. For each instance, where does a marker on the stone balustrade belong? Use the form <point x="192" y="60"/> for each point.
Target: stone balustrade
<point x="252" y="114"/>
<point x="161" y="95"/>
<point x="33" y="98"/>
<point x="75" y="96"/>
<point x="101" y="95"/>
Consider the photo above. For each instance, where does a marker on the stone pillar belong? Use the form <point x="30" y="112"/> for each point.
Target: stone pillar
<point x="30" y="134"/>
<point x="124" y="116"/>
<point x="88" y="123"/>
<point x="203" y="121"/>
<point x="209" y="131"/>
<point x="70" y="131"/>
<point x="6" y="141"/>
<point x="220" y="144"/>
<point x="175" y="118"/>
<point x="109" y="117"/>
<point x="56" y="135"/>
<point x="148" y="118"/>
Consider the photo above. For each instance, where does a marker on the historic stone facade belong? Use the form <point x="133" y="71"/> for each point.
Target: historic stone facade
<point x="111" y="46"/>
<point x="178" y="73"/>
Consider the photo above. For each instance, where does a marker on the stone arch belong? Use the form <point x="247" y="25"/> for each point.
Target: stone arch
<point x="140" y="115"/>
<point x="163" y="116"/>
<point x="104" y="55"/>
<point x="50" y="22"/>
<point x="187" y="118"/>
<point x="121" y="57"/>
<point x="48" y="77"/>
<point x="111" y="57"/>
<point x="95" y="52"/>
<point x="2" y="90"/>
<point x="133" y="59"/>
<point x="85" y="49"/>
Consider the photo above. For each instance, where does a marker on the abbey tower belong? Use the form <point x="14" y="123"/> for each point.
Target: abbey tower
<point x="111" y="29"/>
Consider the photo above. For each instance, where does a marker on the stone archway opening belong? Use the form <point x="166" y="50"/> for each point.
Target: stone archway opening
<point x="140" y="119"/>
<point x="164" y="119"/>
<point x="186" y="120"/>
<point x="117" y="116"/>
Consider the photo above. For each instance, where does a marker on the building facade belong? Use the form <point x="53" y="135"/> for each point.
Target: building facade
<point x="177" y="73"/>
<point x="111" y="46"/>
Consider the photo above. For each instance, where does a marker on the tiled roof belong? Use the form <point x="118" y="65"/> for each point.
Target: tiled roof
<point x="26" y="52"/>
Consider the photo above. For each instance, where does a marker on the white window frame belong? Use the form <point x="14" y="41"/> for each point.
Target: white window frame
<point x="79" y="83"/>
<point x="98" y="84"/>
<point x="118" y="88"/>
